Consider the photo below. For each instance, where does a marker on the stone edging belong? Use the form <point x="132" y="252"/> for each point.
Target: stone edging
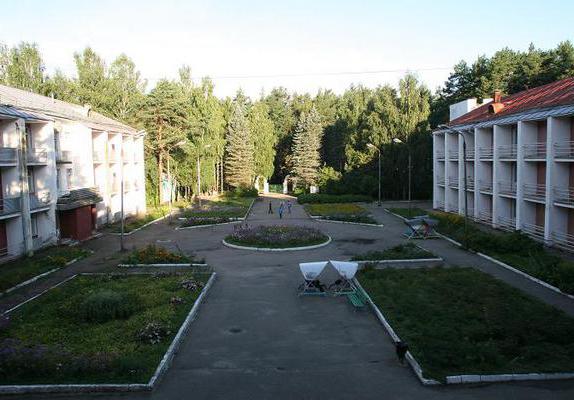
<point x="412" y="263"/>
<point x="232" y="220"/>
<point x="500" y="263"/>
<point x="319" y="218"/>
<point x="409" y="357"/>
<point x="162" y="265"/>
<point x="316" y="246"/>
<point x="162" y="368"/>
<point x="34" y="279"/>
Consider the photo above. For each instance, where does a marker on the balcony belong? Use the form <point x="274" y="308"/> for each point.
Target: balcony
<point x="507" y="152"/>
<point x="37" y="156"/>
<point x="536" y="231"/>
<point x="114" y="187"/>
<point x="484" y="217"/>
<point x="469" y="183"/>
<point x="485" y="153"/>
<point x="440" y="205"/>
<point x="8" y="156"/>
<point x="453" y="155"/>
<point x="564" y="196"/>
<point x="453" y="182"/>
<point x="535" y="151"/>
<point x="485" y="186"/>
<point x="439" y="155"/>
<point x="507" y="188"/>
<point x="507" y="223"/>
<point x="114" y="156"/>
<point x="564" y="151"/>
<point x="64" y="157"/>
<point x="9" y="206"/>
<point x="98" y="157"/>
<point x="563" y="240"/>
<point x="534" y="192"/>
<point x="127" y="156"/>
<point x="470" y="154"/>
<point x="39" y="200"/>
<point x="440" y="180"/>
<point x="127" y="186"/>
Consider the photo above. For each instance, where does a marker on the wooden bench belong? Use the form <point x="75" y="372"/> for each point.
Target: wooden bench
<point x="358" y="298"/>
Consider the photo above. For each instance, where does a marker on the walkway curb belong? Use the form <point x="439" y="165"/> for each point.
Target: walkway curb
<point x="407" y="263"/>
<point x="316" y="246"/>
<point x="141" y="227"/>
<point x="318" y="218"/>
<point x="160" y="371"/>
<point x="182" y="228"/>
<point x="162" y="265"/>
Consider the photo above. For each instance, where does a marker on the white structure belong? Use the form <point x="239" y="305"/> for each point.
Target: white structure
<point x="519" y="163"/>
<point x="61" y="168"/>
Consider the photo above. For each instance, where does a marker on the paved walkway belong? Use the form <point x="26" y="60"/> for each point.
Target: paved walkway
<point x="255" y="339"/>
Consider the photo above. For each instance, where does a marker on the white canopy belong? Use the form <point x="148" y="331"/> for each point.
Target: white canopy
<point x="312" y="270"/>
<point x="346" y="269"/>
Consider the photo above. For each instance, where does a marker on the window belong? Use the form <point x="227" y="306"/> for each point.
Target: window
<point x="31" y="181"/>
<point x="69" y="175"/>
<point x="34" y="223"/>
<point x="29" y="138"/>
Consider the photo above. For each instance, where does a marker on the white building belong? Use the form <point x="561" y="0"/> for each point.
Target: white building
<point x="519" y="162"/>
<point x="61" y="168"/>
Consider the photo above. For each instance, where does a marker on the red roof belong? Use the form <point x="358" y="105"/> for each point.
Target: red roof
<point x="557" y="93"/>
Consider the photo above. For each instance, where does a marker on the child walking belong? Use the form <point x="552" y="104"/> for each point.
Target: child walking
<point x="281" y="209"/>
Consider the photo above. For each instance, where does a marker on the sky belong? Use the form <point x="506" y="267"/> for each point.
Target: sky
<point x="301" y="45"/>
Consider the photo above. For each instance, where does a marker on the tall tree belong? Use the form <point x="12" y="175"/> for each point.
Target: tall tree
<point x="125" y="88"/>
<point x="239" y="163"/>
<point x="280" y="113"/>
<point x="306" y="145"/>
<point x="264" y="139"/>
<point x="92" y="83"/>
<point x="22" y="67"/>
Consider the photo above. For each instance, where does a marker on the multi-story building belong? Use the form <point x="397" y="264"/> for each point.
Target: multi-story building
<point x="519" y="162"/>
<point x="62" y="167"/>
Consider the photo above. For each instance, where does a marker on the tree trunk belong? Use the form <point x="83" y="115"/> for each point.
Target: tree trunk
<point x="159" y="165"/>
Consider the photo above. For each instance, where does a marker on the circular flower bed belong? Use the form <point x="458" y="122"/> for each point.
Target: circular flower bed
<point x="276" y="237"/>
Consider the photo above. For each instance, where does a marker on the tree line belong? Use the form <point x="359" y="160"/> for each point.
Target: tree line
<point x="209" y="144"/>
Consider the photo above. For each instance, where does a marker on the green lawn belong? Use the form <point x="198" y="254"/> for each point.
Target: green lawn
<point x="346" y="212"/>
<point x="222" y="207"/>
<point x="93" y="329"/>
<point x="407" y="251"/>
<point x="462" y="321"/>
<point x="333" y="198"/>
<point x="20" y="270"/>
<point x="134" y="222"/>
<point x="152" y="254"/>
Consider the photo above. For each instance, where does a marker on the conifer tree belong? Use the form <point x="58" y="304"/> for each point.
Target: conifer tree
<point x="239" y="165"/>
<point x="306" y="144"/>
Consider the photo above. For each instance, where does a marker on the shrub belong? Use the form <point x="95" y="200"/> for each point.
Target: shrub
<point x="107" y="305"/>
<point x="242" y="191"/>
<point x="191" y="285"/>
<point x="153" y="332"/>
<point x="331" y="198"/>
<point x="152" y="254"/>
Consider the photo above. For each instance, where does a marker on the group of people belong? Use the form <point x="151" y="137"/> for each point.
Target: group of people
<point x="282" y="206"/>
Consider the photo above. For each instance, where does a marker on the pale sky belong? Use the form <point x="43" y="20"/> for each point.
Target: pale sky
<point x="229" y="40"/>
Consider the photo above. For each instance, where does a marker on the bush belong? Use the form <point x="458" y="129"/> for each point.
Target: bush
<point x="153" y="333"/>
<point x="107" y="305"/>
<point x="242" y="191"/>
<point x="331" y="198"/>
<point x="152" y="254"/>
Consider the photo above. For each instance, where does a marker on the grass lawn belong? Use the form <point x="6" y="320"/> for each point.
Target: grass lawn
<point x="462" y="321"/>
<point x="222" y="207"/>
<point x="276" y="236"/>
<point x="135" y="222"/>
<point x="333" y="198"/>
<point x="20" y="270"/>
<point x="407" y="251"/>
<point x="152" y="254"/>
<point x="97" y="329"/>
<point x="346" y="212"/>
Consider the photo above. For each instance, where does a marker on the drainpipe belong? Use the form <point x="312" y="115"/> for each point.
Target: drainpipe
<point x="25" y="192"/>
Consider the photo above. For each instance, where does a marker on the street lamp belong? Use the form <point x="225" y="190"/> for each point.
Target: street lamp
<point x="410" y="168"/>
<point x="448" y="128"/>
<point x="372" y="146"/>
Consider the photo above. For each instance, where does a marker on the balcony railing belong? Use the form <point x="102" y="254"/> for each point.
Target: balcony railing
<point x="484" y="216"/>
<point x="507" y="152"/>
<point x="10" y="205"/>
<point x="440" y="181"/>
<point x="37" y="156"/>
<point x="533" y="230"/>
<point x="507" y="223"/>
<point x="564" y="196"/>
<point x="507" y="188"/>
<point x="439" y="154"/>
<point x="127" y="186"/>
<point x="470" y="153"/>
<point x="563" y="240"/>
<point x="113" y="156"/>
<point x="469" y="183"/>
<point x="535" y="151"/>
<point x="127" y="156"/>
<point x="564" y="150"/>
<point x="8" y="155"/>
<point x="453" y="182"/>
<point x="115" y="187"/>
<point x="64" y="156"/>
<point x="485" y="153"/>
<point x="440" y="205"/>
<point x="535" y="192"/>
<point x="485" y="186"/>
<point x="453" y="155"/>
<point x="39" y="200"/>
<point x="98" y="156"/>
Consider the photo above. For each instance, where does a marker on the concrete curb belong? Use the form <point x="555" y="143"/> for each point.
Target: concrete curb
<point x="162" y="265"/>
<point x="316" y="218"/>
<point x="34" y="279"/>
<point x="411" y="263"/>
<point x="410" y="358"/>
<point x="316" y="246"/>
<point x="463" y="379"/>
<point x="141" y="227"/>
<point x="160" y="371"/>
<point x="182" y="228"/>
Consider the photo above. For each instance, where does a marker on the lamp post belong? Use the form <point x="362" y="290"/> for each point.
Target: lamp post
<point x="372" y="146"/>
<point x="410" y="169"/>
<point x="461" y="134"/>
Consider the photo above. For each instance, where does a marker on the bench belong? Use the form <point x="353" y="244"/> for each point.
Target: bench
<point x="358" y="298"/>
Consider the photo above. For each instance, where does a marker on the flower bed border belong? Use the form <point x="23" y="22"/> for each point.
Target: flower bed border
<point x="311" y="247"/>
<point x="498" y="262"/>
<point x="233" y="220"/>
<point x="320" y="218"/>
<point x="43" y="274"/>
<point x="160" y="371"/>
<point x="163" y="265"/>
<point x="143" y="226"/>
<point x="459" y="379"/>
<point x="406" y="263"/>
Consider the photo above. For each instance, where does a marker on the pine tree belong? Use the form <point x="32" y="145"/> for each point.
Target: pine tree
<point x="239" y="164"/>
<point x="264" y="139"/>
<point x="306" y="144"/>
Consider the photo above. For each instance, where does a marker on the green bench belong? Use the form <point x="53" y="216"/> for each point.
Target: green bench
<point x="358" y="298"/>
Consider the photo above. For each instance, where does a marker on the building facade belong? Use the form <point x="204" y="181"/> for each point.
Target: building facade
<point x="519" y="163"/>
<point x="61" y="171"/>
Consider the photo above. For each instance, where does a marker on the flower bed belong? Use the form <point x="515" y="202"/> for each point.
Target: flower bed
<point x="333" y="198"/>
<point x="18" y="271"/>
<point x="344" y="212"/>
<point x="407" y="251"/>
<point x="462" y="321"/>
<point x="152" y="254"/>
<point x="200" y="221"/>
<point x="97" y="329"/>
<point x="276" y="236"/>
<point x="221" y="210"/>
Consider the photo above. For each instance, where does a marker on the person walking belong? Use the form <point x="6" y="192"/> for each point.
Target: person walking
<point x="270" y="211"/>
<point x="281" y="209"/>
<point x="289" y="206"/>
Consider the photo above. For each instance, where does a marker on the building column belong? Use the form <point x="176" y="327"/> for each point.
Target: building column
<point x="476" y="173"/>
<point x="520" y="166"/>
<point x="496" y="132"/>
<point x="24" y="189"/>
<point x="557" y="128"/>
<point x="461" y="161"/>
